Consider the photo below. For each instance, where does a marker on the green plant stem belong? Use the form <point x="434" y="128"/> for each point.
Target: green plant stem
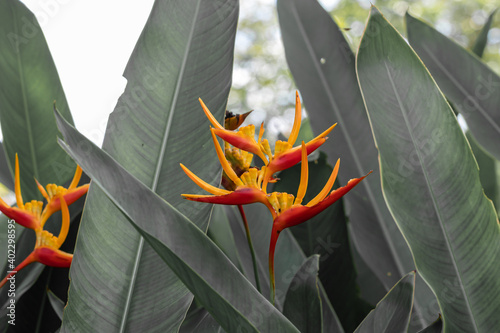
<point x="250" y="245"/>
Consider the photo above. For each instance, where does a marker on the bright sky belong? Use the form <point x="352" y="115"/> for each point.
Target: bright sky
<point x="91" y="42"/>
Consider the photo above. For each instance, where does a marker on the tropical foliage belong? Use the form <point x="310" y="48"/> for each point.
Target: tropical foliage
<point x="408" y="240"/>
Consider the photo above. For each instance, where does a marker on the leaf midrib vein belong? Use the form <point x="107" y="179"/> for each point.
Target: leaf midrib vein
<point x="159" y="164"/>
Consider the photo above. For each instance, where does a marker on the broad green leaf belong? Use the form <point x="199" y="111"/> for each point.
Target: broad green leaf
<point x="435" y="327"/>
<point x="436" y="198"/>
<point x="118" y="282"/>
<point x="219" y="231"/>
<point x="302" y="303"/>
<point x="482" y="38"/>
<point x="5" y="175"/>
<point x="323" y="67"/>
<point x="392" y="313"/>
<point x="195" y="259"/>
<point x="487" y="170"/>
<point x="472" y="87"/>
<point x="29" y="85"/>
<point x="56" y="303"/>
<point x="326" y="235"/>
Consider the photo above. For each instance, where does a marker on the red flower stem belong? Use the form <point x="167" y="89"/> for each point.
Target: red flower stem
<point x="250" y="245"/>
<point x="29" y="259"/>
<point x="272" y="247"/>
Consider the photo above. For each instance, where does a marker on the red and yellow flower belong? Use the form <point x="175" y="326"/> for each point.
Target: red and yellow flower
<point x="32" y="216"/>
<point x="251" y="187"/>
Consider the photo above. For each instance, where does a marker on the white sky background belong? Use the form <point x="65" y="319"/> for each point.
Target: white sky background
<point x="91" y="42"/>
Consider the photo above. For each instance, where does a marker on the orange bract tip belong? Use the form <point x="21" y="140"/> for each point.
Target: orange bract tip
<point x="328" y="186"/>
<point x="209" y="115"/>
<point x="65" y="222"/>
<point x="223" y="161"/>
<point x="76" y="178"/>
<point x="325" y="133"/>
<point x="17" y="186"/>
<point x="204" y="185"/>
<point x="304" y="170"/>
<point x="297" y="120"/>
<point x="42" y="190"/>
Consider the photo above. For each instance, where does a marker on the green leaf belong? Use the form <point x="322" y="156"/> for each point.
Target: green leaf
<point x="323" y="67"/>
<point x="29" y="85"/>
<point x="185" y="52"/>
<point x="56" y="302"/>
<point x="326" y="235"/>
<point x="435" y="327"/>
<point x="487" y="170"/>
<point x="5" y="175"/>
<point x="482" y="38"/>
<point x="302" y="303"/>
<point x="472" y="87"/>
<point x="392" y="313"/>
<point x="436" y="199"/>
<point x="194" y="258"/>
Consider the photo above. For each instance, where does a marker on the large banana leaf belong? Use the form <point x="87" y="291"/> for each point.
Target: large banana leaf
<point x="472" y="87"/>
<point x="436" y="199"/>
<point x="29" y="85"/>
<point x="118" y="282"/>
<point x="199" y="263"/>
<point x="392" y="313"/>
<point x="322" y="65"/>
<point x="303" y="303"/>
<point x="5" y="175"/>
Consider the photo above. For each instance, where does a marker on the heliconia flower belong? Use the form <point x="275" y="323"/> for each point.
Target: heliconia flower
<point x="244" y="138"/>
<point x="30" y="214"/>
<point x="248" y="185"/>
<point x="47" y="246"/>
<point x="285" y="156"/>
<point x="288" y="211"/>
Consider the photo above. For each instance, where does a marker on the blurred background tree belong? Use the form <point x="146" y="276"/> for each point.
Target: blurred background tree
<point x="262" y="81"/>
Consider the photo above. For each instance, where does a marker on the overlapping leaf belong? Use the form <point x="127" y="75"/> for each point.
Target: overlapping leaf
<point x="392" y="313"/>
<point x="436" y="198"/>
<point x="185" y="52"/>
<point x="474" y="90"/>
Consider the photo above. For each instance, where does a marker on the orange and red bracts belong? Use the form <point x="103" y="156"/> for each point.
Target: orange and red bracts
<point x="288" y="211"/>
<point x="31" y="215"/>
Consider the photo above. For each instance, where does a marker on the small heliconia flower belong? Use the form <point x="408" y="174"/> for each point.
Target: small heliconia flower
<point x="32" y="215"/>
<point x="288" y="211"/>
<point x="245" y="184"/>
<point x="47" y="246"/>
